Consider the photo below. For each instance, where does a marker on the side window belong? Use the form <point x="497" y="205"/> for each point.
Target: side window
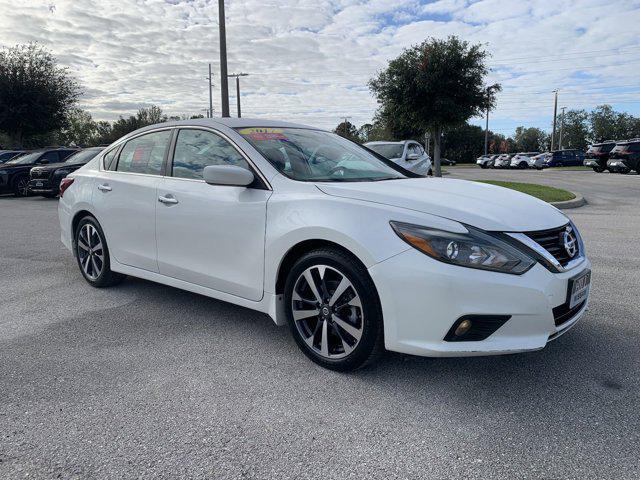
<point x="108" y="158"/>
<point x="196" y="149"/>
<point x="415" y="149"/>
<point x="144" y="154"/>
<point x="51" y="157"/>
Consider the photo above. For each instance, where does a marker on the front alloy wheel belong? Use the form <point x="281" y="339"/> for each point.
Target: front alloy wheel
<point x="327" y="311"/>
<point x="333" y="310"/>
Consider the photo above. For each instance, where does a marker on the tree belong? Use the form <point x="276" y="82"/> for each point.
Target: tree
<point x="348" y="130"/>
<point x="607" y="124"/>
<point x="530" y="139"/>
<point x="35" y="93"/>
<point x="79" y="129"/>
<point x="463" y="143"/>
<point x="432" y="86"/>
<point x="575" y="129"/>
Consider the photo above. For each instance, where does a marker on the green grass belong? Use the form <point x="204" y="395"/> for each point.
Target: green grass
<point x="548" y="194"/>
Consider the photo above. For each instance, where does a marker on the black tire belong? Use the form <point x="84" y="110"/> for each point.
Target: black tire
<point x="598" y="169"/>
<point x="483" y="165"/>
<point x="106" y="277"/>
<point x="371" y="343"/>
<point x="20" y="186"/>
<point x="523" y="165"/>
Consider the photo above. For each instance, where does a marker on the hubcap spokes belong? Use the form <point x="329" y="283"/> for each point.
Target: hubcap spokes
<point x="90" y="251"/>
<point x="327" y="311"/>
<point x="23" y="187"/>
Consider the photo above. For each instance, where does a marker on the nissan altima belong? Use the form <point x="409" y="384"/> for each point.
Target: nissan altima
<point x="328" y="238"/>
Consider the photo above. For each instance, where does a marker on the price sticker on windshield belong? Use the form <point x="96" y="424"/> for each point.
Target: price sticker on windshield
<point x="262" y="133"/>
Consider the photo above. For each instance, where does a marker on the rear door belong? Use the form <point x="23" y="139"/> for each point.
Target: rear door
<point x="211" y="235"/>
<point x="125" y="198"/>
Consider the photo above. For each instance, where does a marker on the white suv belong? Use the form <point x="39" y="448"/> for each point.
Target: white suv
<point x="523" y="160"/>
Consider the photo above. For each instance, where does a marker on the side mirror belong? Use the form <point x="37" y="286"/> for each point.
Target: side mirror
<point x="230" y="175"/>
<point x="413" y="156"/>
<point x="44" y="161"/>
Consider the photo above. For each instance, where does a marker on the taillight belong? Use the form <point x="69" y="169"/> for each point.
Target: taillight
<point x="64" y="184"/>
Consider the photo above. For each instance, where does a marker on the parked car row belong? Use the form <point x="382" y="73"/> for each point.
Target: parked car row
<point x="40" y="171"/>
<point x="614" y="156"/>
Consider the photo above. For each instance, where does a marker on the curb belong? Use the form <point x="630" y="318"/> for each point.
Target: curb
<point x="579" y="201"/>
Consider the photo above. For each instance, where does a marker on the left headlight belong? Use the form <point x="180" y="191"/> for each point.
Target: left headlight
<point x="474" y="249"/>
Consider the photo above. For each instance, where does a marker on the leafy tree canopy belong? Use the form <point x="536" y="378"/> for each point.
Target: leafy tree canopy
<point x="432" y="86"/>
<point x="36" y="94"/>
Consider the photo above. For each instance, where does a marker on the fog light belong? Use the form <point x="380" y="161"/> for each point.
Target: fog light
<point x="463" y="328"/>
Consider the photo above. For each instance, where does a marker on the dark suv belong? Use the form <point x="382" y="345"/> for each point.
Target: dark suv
<point x="598" y="154"/>
<point x="628" y="152"/>
<point x="564" y="158"/>
<point x="14" y="174"/>
<point x="45" y="179"/>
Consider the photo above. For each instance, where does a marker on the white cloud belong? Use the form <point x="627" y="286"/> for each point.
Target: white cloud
<point x="310" y="60"/>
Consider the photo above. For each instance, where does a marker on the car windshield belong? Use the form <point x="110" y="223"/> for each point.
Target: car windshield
<point x="387" y="150"/>
<point x="313" y="155"/>
<point x="25" y="159"/>
<point x="83" y="156"/>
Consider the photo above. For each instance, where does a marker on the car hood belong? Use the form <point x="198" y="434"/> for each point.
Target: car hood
<point x="477" y="204"/>
<point x="14" y="168"/>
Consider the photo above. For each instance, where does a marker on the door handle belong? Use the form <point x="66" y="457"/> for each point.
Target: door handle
<point x="168" y="200"/>
<point x="104" y="187"/>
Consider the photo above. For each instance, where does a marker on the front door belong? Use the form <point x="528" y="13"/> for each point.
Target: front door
<point x="210" y="235"/>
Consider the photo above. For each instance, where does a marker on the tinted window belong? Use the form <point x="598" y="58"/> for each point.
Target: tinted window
<point x="52" y="157"/>
<point x="83" y="156"/>
<point x="196" y="149"/>
<point x="144" y="154"/>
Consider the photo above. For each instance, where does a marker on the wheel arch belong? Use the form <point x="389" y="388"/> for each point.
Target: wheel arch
<point x="298" y="250"/>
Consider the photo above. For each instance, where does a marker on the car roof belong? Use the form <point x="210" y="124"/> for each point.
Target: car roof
<point x="382" y="142"/>
<point x="231" y="122"/>
<point x="626" y="142"/>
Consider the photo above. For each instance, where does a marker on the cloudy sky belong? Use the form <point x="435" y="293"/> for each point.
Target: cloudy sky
<point x="309" y="60"/>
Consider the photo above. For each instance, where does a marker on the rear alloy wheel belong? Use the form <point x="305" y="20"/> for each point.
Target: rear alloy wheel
<point x="92" y="254"/>
<point x="333" y="310"/>
<point x="523" y="165"/>
<point x="21" y="187"/>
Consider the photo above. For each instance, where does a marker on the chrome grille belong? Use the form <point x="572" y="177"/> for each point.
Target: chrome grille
<point x="552" y="241"/>
<point x="38" y="173"/>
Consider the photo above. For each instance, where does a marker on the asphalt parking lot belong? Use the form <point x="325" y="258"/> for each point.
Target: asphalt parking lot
<point x="143" y="380"/>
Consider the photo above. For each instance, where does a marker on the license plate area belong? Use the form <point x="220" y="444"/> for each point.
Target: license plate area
<point x="578" y="289"/>
<point x="39" y="184"/>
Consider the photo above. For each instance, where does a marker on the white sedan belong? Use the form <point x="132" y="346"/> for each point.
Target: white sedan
<point x="322" y="235"/>
<point x="408" y="154"/>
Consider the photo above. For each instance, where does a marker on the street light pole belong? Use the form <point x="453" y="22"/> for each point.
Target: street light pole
<point x="238" y="75"/>
<point x="555" y="111"/>
<point x="486" y="134"/>
<point x="561" y="127"/>
<point x="210" y="113"/>
<point x="224" y="85"/>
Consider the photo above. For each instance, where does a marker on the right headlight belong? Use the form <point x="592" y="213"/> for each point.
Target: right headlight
<point x="474" y="249"/>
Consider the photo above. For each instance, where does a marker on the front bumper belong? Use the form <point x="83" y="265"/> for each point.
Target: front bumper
<point x="39" y="186"/>
<point x="422" y="298"/>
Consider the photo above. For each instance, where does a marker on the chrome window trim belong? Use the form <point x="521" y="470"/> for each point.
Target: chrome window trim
<point x="522" y="238"/>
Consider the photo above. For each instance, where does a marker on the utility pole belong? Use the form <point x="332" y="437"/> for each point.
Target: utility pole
<point x="224" y="85"/>
<point x="210" y="112"/>
<point x="427" y="141"/>
<point x="561" y="127"/>
<point x="486" y="134"/>
<point x="555" y="111"/>
<point x="238" y="75"/>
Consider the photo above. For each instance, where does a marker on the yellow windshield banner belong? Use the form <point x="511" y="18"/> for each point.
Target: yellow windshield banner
<point x="263" y="133"/>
